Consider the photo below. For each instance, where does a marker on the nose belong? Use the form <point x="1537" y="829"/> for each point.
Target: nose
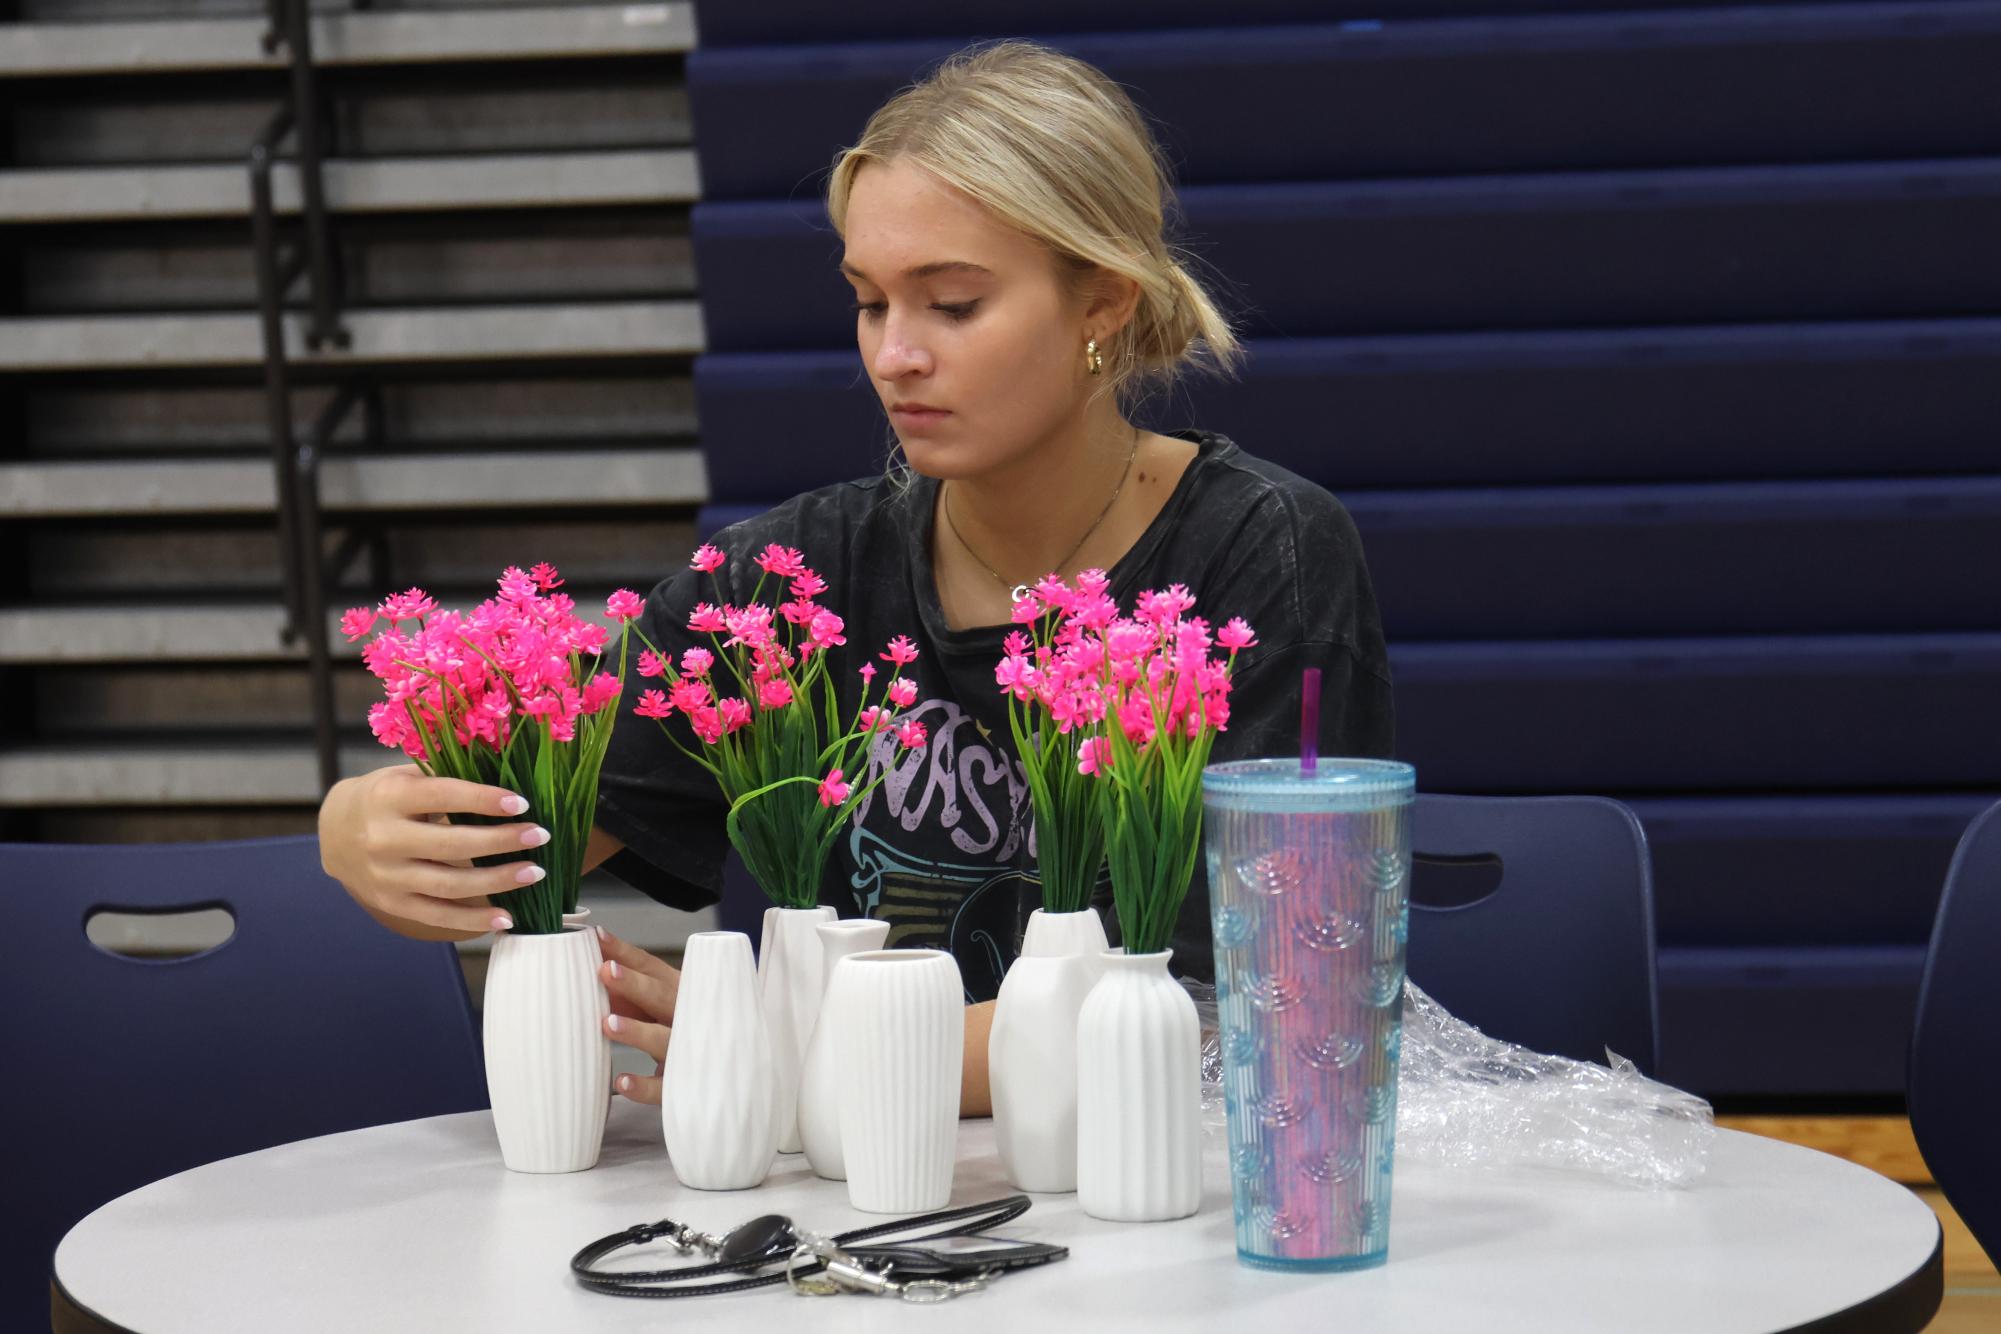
<point x="896" y="356"/>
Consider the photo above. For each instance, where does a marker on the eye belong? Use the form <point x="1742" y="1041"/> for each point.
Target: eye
<point x="955" y="310"/>
<point x="872" y="309"/>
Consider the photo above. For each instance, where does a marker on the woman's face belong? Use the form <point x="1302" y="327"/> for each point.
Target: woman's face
<point x="971" y="339"/>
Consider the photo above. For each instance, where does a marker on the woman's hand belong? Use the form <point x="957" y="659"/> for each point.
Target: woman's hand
<point x="642" y="990"/>
<point x="383" y="836"/>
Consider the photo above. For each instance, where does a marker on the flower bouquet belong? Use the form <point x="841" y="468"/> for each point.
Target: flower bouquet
<point x="1149" y="698"/>
<point x="512" y="694"/>
<point x="765" y="720"/>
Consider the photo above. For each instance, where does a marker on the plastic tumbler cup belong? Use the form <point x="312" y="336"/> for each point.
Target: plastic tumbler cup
<point x="1309" y="874"/>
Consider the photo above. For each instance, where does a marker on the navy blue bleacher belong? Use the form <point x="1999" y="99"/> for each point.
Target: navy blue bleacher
<point x="1657" y="356"/>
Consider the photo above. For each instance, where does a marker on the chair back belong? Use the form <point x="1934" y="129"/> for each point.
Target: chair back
<point x="310" y="1018"/>
<point x="1557" y="954"/>
<point x="1954" y="1083"/>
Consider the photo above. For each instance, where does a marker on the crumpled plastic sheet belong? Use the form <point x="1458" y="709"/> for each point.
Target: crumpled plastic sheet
<point x="1468" y="1101"/>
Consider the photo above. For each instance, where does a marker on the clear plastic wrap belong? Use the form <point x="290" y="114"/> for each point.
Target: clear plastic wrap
<point x="1466" y="1100"/>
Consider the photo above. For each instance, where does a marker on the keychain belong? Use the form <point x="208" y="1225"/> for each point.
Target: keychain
<point x="932" y="1267"/>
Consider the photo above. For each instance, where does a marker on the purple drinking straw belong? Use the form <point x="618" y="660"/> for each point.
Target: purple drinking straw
<point x="1309" y="720"/>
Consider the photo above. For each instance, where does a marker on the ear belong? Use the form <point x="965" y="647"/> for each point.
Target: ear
<point x="1111" y="298"/>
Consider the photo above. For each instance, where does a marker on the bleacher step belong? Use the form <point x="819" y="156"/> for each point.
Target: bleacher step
<point x="410" y="185"/>
<point x="247" y="773"/>
<point x="40" y="50"/>
<point x="667" y="475"/>
<point x="379" y="337"/>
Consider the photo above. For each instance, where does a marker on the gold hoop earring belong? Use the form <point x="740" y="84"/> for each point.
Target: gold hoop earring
<point x="1094" y="359"/>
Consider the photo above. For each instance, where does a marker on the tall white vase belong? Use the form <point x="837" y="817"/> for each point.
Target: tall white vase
<point x="819" y="1077"/>
<point x="788" y="979"/>
<point x="900" y="1043"/>
<point x="1139" y="1094"/>
<point x="548" y="1061"/>
<point x="716" y="1110"/>
<point x="1032" y="1048"/>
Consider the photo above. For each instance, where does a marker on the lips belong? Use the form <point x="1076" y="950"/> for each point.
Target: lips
<point x="919" y="411"/>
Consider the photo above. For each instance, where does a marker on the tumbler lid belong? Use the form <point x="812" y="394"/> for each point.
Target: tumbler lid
<point x="1335" y="785"/>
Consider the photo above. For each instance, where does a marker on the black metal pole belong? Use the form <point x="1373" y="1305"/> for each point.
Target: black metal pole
<point x="277" y="385"/>
<point x="325" y="329"/>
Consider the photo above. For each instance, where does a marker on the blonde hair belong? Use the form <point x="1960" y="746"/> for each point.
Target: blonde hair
<point x="1055" y="149"/>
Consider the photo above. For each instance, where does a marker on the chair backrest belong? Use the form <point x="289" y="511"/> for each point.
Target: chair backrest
<point x="1558" y="955"/>
<point x="1955" y="1073"/>
<point x="310" y="1018"/>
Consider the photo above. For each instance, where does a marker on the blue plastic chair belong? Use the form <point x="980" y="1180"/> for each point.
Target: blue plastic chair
<point x="310" y="1018"/>
<point x="1955" y="1074"/>
<point x="1557" y="956"/>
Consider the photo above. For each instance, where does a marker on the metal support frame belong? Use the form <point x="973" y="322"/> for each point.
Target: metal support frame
<point x="308" y="573"/>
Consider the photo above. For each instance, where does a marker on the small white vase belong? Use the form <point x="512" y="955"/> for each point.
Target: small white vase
<point x="1032" y="1066"/>
<point x="548" y="1061"/>
<point x="788" y="980"/>
<point x="1139" y="1094"/>
<point x="716" y="1112"/>
<point x="900" y="1045"/>
<point x="1054" y="934"/>
<point x="819" y="1077"/>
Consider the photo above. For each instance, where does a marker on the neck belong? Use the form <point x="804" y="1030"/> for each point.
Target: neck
<point x="1026" y="518"/>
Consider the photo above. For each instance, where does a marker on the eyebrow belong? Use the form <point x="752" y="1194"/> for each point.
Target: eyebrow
<point x="932" y="269"/>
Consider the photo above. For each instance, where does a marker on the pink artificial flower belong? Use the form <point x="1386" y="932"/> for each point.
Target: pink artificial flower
<point x="357" y="621"/>
<point x="1236" y="635"/>
<point x="1093" y="581"/>
<point x="825" y="629"/>
<point x="1136" y="718"/>
<point x="867" y="674"/>
<point x="689" y="694"/>
<point x="410" y="606"/>
<point x="1216" y="711"/>
<point x="586" y="637"/>
<point x="872" y="719"/>
<point x="799" y="611"/>
<point x="1026" y="610"/>
<point x="1055" y="594"/>
<point x="602" y="690"/>
<point x="653" y="704"/>
<point x="651" y="663"/>
<point x="624" y="605"/>
<point x="1016" y="645"/>
<point x="910" y="735"/>
<point x="903" y="692"/>
<point x="774" y="694"/>
<point x="706" y="559"/>
<point x="748" y="625"/>
<point x="808" y="585"/>
<point x="733" y="712"/>
<point x="1094" y="756"/>
<point x="832" y="790"/>
<point x="706" y="620"/>
<point x="697" y="661"/>
<point x="901" y="651"/>
<point x="545" y="576"/>
<point x="781" y="561"/>
<point x="516" y="584"/>
<point x="708" y="724"/>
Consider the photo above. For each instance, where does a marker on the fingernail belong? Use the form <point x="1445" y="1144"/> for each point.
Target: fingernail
<point x="602" y="933"/>
<point x="502" y="922"/>
<point x="611" y="1022"/>
<point x="513" y="805"/>
<point x="529" y="874"/>
<point x="625" y="1083"/>
<point x="616" y="971"/>
<point x="535" y="837"/>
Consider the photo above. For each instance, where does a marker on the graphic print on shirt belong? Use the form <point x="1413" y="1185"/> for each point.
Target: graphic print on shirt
<point x="944" y="850"/>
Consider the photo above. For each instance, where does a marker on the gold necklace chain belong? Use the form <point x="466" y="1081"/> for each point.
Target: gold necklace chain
<point x="1018" y="591"/>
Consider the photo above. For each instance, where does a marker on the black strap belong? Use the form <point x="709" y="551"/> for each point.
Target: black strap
<point x="965" y="1220"/>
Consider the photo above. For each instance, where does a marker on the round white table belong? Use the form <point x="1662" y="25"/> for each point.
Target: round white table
<point x="417" y="1226"/>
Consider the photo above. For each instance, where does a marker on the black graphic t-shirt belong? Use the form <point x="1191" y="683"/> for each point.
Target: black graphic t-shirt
<point x="944" y="849"/>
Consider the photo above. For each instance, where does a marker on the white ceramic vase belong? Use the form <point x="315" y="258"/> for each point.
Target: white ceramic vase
<point x="1139" y="1094"/>
<point x="716" y="1111"/>
<point x="788" y="979"/>
<point x="1032" y="1048"/>
<point x="819" y="1077"/>
<point x="548" y="1061"/>
<point x="899" y="1045"/>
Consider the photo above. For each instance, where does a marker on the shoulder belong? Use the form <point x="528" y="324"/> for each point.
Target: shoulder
<point x="1274" y="501"/>
<point x="826" y="515"/>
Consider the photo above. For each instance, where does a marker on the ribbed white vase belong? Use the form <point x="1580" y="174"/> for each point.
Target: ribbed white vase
<point x="819" y="1077"/>
<point x="716" y="1112"/>
<point x="1032" y="1048"/>
<point x="548" y="1061"/>
<point x="901" y="1039"/>
<point x="1139" y="1094"/>
<point x="788" y="979"/>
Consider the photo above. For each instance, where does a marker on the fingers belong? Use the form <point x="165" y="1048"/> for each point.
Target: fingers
<point x="452" y="883"/>
<point x="477" y="917"/>
<point x="416" y="794"/>
<point x="461" y="842"/>
<point x="639" y="1088"/>
<point x="648" y="991"/>
<point x="636" y="1033"/>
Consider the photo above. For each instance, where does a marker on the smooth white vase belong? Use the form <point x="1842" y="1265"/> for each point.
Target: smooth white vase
<point x="1139" y="1094"/>
<point x="1032" y="1048"/>
<point x="548" y="1061"/>
<point x="819" y="1077"/>
<point x="899" y="1045"/>
<point x="789" y="982"/>
<point x="716" y="1110"/>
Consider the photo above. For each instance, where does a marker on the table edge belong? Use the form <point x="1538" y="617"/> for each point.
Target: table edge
<point x="1907" y="1305"/>
<point x="67" y="1315"/>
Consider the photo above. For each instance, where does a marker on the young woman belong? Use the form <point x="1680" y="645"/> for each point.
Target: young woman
<point x="1015" y="298"/>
